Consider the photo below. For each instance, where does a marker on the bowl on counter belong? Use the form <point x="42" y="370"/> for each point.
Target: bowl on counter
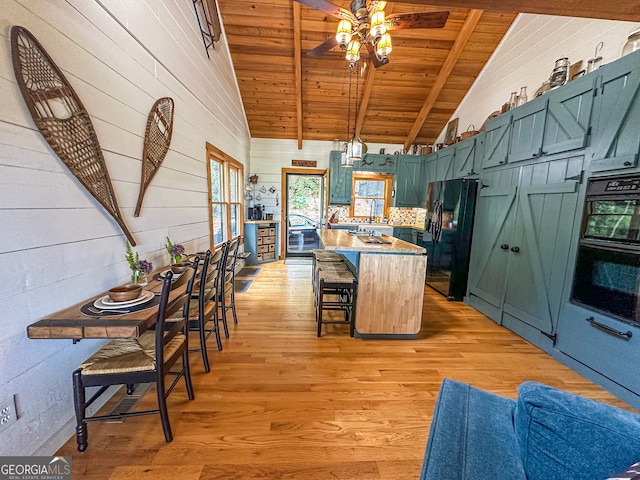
<point x="124" y="293"/>
<point x="180" y="267"/>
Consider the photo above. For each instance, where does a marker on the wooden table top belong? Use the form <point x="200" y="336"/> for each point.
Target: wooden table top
<point x="71" y="323"/>
<point x="334" y="239"/>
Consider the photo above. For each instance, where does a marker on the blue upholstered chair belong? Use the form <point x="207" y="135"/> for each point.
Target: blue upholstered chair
<point x="545" y="434"/>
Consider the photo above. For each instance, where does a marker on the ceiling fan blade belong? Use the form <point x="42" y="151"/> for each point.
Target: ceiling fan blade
<point x="399" y="21"/>
<point x="323" y="48"/>
<point x="326" y="7"/>
<point x="375" y="61"/>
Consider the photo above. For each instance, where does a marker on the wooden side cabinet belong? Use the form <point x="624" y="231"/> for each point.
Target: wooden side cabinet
<point x="261" y="239"/>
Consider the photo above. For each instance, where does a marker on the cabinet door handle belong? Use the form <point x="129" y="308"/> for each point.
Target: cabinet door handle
<point x="504" y="246"/>
<point x="626" y="335"/>
<point x="515" y="249"/>
<point x="627" y="164"/>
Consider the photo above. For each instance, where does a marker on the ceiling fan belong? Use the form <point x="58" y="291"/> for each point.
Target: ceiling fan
<point x="369" y="25"/>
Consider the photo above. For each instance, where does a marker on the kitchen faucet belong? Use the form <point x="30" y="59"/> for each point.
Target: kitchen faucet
<point x="373" y="203"/>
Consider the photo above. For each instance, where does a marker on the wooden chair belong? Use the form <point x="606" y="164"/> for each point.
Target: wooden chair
<point x="147" y="359"/>
<point x="222" y="272"/>
<point x="229" y="289"/>
<point x="203" y="314"/>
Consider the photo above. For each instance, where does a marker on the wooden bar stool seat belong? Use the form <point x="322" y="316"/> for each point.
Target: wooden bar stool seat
<point x="327" y="267"/>
<point x="337" y="290"/>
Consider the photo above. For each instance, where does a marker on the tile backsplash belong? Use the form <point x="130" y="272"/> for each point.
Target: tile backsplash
<point x="397" y="216"/>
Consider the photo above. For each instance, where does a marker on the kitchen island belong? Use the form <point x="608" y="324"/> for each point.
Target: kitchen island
<point x="391" y="277"/>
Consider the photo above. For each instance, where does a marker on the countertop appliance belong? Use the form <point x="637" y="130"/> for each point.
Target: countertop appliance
<point x="256" y="212"/>
<point x="447" y="236"/>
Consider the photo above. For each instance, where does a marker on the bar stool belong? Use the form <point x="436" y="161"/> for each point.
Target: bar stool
<point x="342" y="286"/>
<point x="323" y="258"/>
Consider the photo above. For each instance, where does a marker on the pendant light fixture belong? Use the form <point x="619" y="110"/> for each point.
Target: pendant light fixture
<point x="352" y="151"/>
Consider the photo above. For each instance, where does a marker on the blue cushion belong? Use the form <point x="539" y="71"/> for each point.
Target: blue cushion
<point x="564" y="436"/>
<point x="471" y="436"/>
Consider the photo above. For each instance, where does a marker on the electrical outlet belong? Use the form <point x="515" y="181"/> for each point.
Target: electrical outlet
<point x="8" y="414"/>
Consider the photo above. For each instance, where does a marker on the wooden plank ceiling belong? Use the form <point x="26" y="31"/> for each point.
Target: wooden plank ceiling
<point x="289" y="95"/>
<point x="392" y="98"/>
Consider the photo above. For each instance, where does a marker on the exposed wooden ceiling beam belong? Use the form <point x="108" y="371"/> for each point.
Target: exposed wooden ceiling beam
<point x="456" y="50"/>
<point x="366" y="94"/>
<point x="297" y="53"/>
<point x="628" y="10"/>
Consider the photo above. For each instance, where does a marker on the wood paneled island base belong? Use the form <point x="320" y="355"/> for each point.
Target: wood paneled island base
<point x="391" y="280"/>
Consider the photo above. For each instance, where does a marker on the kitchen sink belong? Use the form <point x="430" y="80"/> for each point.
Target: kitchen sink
<point x="374" y="240"/>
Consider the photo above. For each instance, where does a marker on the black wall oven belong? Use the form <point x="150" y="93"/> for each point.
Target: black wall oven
<point x="607" y="277"/>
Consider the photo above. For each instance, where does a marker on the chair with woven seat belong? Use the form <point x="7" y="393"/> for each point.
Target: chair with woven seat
<point x="341" y="286"/>
<point x="203" y="314"/>
<point x="228" y="290"/>
<point x="323" y="257"/>
<point x="146" y="359"/>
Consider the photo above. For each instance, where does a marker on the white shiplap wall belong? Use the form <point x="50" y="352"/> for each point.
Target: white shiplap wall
<point x="526" y="57"/>
<point x="57" y="245"/>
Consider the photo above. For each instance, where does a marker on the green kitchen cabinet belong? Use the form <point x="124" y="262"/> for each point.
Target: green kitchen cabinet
<point x="527" y="130"/>
<point x="496" y="141"/>
<point x="615" y="142"/>
<point x="376" y="163"/>
<point x="410" y="185"/>
<point x="340" y="181"/>
<point x="430" y="169"/>
<point x="568" y="115"/>
<point x="439" y="166"/>
<point x="444" y="166"/>
<point x="521" y="243"/>
<point x="466" y="153"/>
<point x="407" y="234"/>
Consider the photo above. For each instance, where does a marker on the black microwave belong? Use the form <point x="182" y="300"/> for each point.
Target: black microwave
<point x="607" y="275"/>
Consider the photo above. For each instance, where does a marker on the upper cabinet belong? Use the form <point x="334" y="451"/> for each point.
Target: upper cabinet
<point x="527" y="130"/>
<point x="376" y="163"/>
<point x="568" y="116"/>
<point x="496" y="141"/>
<point x="615" y="141"/>
<point x="466" y="153"/>
<point x="410" y="184"/>
<point x="558" y="121"/>
<point x="339" y="181"/>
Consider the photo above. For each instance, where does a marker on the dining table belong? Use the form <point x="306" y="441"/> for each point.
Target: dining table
<point x="86" y="320"/>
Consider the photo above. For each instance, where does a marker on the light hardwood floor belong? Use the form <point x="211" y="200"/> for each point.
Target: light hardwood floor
<point x="281" y="403"/>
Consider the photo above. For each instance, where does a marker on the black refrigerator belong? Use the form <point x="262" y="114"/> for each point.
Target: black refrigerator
<point x="447" y="236"/>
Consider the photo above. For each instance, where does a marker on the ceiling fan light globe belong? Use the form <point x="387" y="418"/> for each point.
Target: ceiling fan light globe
<point x="378" y="27"/>
<point x="343" y="34"/>
<point x="383" y="48"/>
<point x="353" y="51"/>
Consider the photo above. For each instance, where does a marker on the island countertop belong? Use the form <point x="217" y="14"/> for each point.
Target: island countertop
<point x="333" y="239"/>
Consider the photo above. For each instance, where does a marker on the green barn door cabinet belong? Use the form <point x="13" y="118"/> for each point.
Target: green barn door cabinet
<point x="464" y="160"/>
<point x="339" y="181"/>
<point x="527" y="130"/>
<point x="492" y="231"/>
<point x="410" y="185"/>
<point x="568" y="116"/>
<point x="495" y="140"/>
<point x="520" y="255"/>
<point x="376" y="163"/>
<point x="615" y="140"/>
